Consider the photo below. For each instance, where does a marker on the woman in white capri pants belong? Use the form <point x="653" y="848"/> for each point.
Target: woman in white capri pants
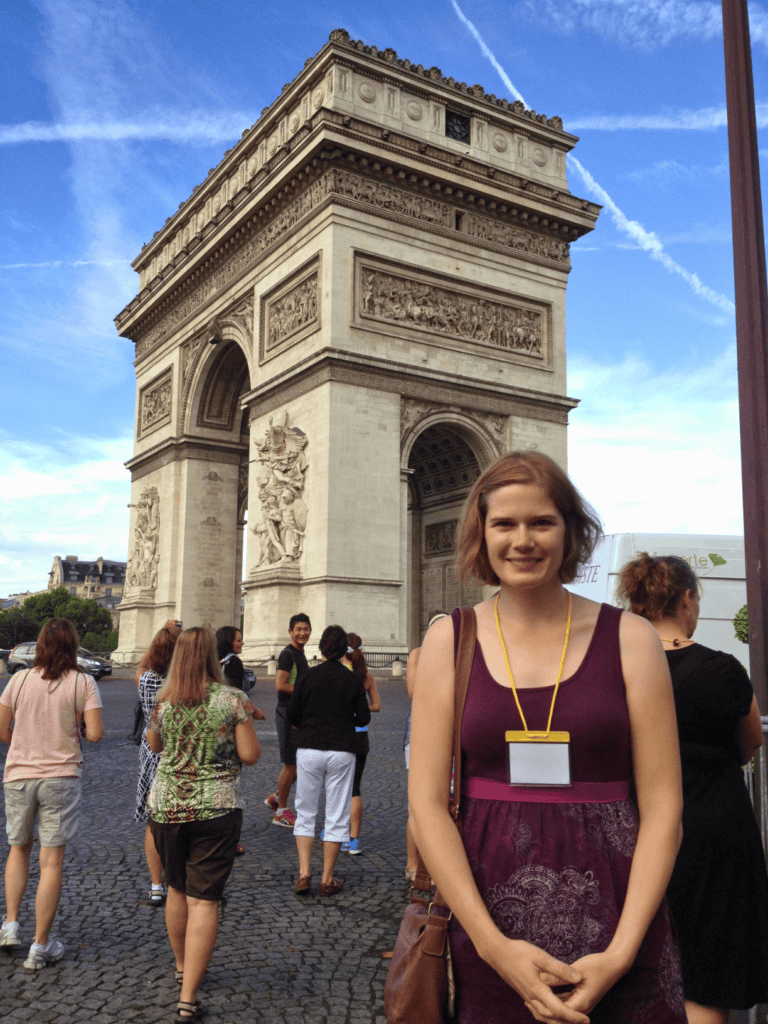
<point x="325" y="707"/>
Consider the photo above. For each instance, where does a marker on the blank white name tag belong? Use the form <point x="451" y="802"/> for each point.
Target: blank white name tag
<point x="539" y="760"/>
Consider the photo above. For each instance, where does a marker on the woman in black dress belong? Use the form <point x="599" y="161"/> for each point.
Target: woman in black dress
<point x="718" y="893"/>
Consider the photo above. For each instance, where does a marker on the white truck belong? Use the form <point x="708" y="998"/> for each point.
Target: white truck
<point x="718" y="561"/>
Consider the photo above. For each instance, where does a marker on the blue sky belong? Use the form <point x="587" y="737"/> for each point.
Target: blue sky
<point x="112" y="111"/>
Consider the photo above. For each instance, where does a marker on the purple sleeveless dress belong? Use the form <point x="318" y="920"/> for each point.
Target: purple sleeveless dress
<point x="552" y="864"/>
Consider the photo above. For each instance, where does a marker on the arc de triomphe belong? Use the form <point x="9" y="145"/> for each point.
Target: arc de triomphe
<point x="357" y="310"/>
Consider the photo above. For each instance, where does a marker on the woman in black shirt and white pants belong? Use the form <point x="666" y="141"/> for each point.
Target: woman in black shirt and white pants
<point x="325" y="707"/>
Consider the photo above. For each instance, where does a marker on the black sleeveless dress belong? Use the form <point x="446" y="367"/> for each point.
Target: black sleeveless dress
<point x="718" y="893"/>
<point x="552" y="865"/>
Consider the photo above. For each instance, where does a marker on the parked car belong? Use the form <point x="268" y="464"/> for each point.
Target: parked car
<point x="249" y="680"/>
<point x="23" y="656"/>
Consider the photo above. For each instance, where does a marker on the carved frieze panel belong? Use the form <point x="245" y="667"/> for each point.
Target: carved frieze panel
<point x="440" y="538"/>
<point x="388" y="197"/>
<point x="141" y="571"/>
<point x="155" y="403"/>
<point x="517" y="238"/>
<point x="392" y="296"/>
<point x="290" y="312"/>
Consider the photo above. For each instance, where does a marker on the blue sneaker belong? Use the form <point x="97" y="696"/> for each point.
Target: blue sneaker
<point x="353" y="846"/>
<point x="322" y="836"/>
<point x="345" y="847"/>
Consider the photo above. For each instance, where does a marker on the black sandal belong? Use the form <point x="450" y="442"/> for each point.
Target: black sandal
<point x="156" y="897"/>
<point x="178" y="976"/>
<point x="195" y="1011"/>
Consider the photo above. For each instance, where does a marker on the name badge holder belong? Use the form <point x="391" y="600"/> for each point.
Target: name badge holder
<point x="540" y="758"/>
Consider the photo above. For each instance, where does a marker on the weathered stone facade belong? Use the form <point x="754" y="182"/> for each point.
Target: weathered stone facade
<point x="358" y="309"/>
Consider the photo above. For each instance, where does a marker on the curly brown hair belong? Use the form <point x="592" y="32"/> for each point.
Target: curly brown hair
<point x="582" y="524"/>
<point x="161" y="650"/>
<point x="654" y="586"/>
<point x="56" y="650"/>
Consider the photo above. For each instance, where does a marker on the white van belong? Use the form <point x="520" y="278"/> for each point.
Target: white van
<point x="717" y="561"/>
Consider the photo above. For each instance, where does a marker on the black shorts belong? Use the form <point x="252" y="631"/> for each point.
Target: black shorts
<point x="197" y="856"/>
<point x="286" y="737"/>
<point x="361" y="753"/>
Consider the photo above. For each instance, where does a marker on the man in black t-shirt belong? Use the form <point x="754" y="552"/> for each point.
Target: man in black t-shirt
<point x="291" y="666"/>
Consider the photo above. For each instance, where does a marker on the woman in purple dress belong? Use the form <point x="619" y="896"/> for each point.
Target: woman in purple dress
<point x="556" y="882"/>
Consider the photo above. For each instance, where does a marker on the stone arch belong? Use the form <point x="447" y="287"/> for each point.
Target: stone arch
<point x="215" y="374"/>
<point x="443" y="452"/>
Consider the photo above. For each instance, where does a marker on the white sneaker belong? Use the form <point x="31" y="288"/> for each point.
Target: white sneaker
<point x="39" y="956"/>
<point x="9" y="934"/>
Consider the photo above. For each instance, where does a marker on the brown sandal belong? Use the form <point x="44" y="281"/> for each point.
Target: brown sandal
<point x="303" y="885"/>
<point x="331" y="888"/>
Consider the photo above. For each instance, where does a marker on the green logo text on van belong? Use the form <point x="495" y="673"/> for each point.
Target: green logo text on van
<point x="708" y="562"/>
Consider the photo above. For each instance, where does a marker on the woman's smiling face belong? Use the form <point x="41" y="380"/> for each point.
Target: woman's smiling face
<point x="524" y="536"/>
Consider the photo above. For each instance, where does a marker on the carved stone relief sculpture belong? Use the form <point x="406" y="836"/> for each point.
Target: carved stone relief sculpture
<point x="440" y="537"/>
<point x="141" y="572"/>
<point x="412" y="303"/>
<point x="292" y="311"/>
<point x="156" y="404"/>
<point x="281" y="515"/>
<point x="516" y="238"/>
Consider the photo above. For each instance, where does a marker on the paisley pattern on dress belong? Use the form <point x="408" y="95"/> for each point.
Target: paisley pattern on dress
<point x="563" y="912"/>
<point x="613" y="828"/>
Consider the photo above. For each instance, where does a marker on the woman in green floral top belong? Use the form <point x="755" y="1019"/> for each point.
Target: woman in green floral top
<point x="204" y="730"/>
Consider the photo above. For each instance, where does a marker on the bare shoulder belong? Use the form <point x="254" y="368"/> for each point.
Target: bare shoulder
<point x="634" y="629"/>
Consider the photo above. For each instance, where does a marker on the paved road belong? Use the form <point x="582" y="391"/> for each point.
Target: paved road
<point x="278" y="958"/>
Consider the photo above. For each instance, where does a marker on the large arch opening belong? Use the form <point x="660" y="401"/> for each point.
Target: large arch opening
<point x="444" y="462"/>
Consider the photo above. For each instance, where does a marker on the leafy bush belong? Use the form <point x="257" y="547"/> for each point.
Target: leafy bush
<point x="741" y="625"/>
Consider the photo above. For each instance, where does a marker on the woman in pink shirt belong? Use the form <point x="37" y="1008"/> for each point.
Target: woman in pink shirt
<point x="50" y="705"/>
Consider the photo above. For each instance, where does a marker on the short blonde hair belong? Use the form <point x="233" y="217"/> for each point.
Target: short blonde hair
<point x="582" y="524"/>
<point x="194" y="662"/>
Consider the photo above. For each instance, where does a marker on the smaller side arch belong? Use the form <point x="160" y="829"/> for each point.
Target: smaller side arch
<point x="207" y="362"/>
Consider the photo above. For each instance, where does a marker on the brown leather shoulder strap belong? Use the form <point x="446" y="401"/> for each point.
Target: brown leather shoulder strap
<point x="464" y="656"/>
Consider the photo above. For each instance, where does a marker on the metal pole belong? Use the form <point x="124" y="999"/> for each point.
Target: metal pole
<point x="751" y="327"/>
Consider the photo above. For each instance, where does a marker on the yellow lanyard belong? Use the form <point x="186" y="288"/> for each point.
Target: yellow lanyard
<point x="559" y="674"/>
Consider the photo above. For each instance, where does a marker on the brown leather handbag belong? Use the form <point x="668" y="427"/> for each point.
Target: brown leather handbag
<point x="420" y="987"/>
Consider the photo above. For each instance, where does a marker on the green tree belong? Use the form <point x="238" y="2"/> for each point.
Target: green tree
<point x="106" y="642"/>
<point x="84" y="614"/>
<point x="16" y="627"/>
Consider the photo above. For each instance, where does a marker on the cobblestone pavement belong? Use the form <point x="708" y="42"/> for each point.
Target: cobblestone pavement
<point x="278" y="958"/>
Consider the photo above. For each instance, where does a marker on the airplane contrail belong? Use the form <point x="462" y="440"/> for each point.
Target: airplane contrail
<point x="648" y="241"/>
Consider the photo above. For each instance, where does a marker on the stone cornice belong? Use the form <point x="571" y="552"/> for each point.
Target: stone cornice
<point x="407" y="381"/>
<point x="178" y="449"/>
<point x="289" y="125"/>
<point x="386" y="66"/>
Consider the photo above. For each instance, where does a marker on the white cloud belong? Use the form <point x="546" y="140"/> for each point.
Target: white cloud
<point x="188" y="128"/>
<point x="63" y="263"/>
<point x="706" y="119"/>
<point x="658" y="453"/>
<point x="666" y="170"/>
<point x="57" y="499"/>
<point x="643" y="25"/>
<point x="647" y="240"/>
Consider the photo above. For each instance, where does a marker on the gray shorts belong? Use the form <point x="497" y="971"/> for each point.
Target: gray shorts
<point x="55" y="803"/>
